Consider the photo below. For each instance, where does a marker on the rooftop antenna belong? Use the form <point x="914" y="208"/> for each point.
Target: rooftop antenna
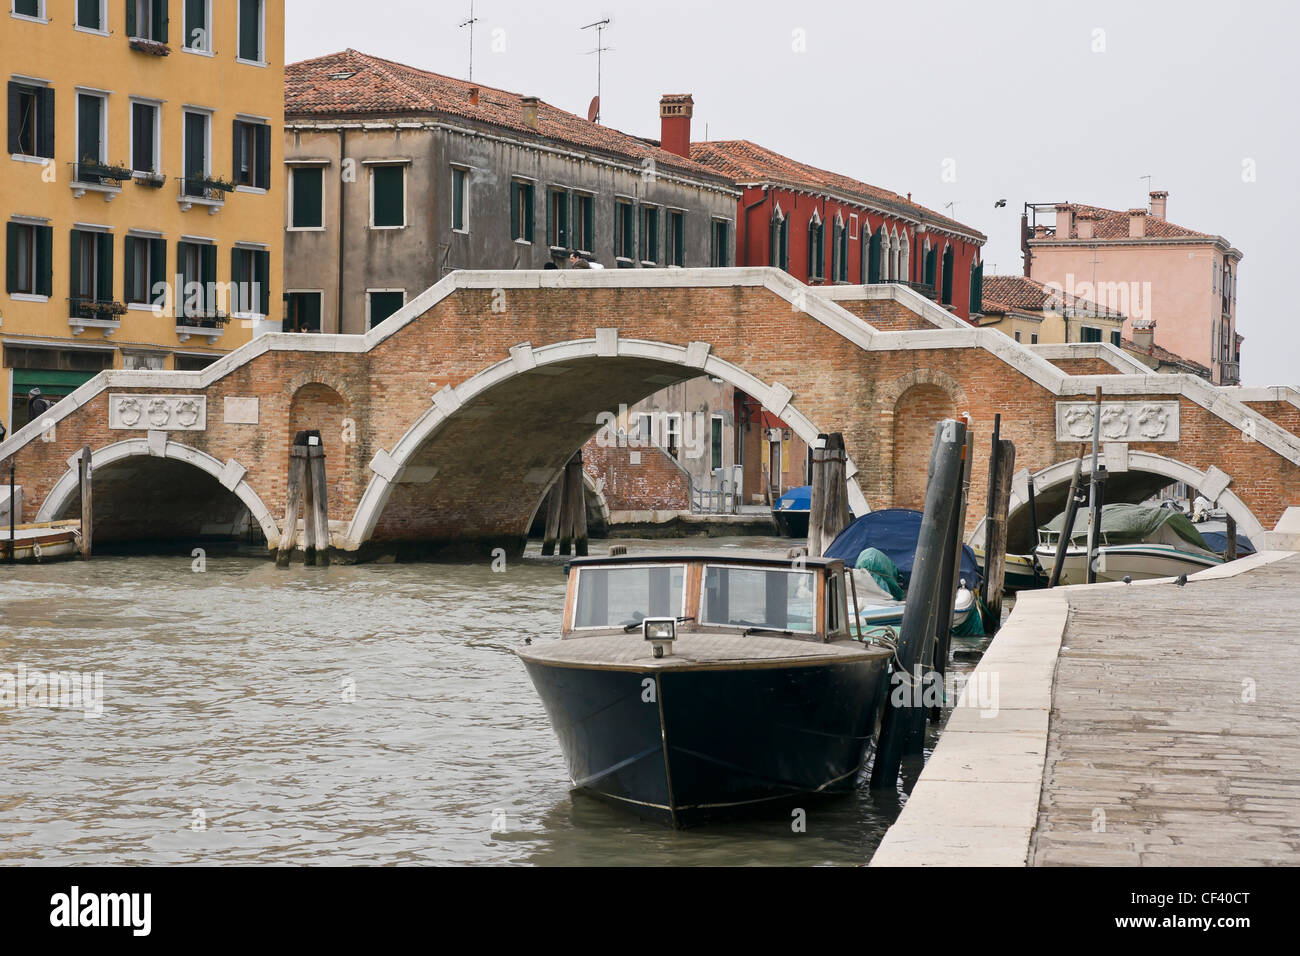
<point x="600" y="48"/>
<point x="1148" y="179"/>
<point x="470" y="23"/>
<point x="953" y="206"/>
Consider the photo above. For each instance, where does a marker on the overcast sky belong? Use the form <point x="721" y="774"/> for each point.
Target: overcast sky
<point x="1034" y="101"/>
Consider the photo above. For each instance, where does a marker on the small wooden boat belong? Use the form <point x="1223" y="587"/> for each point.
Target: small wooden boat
<point x="791" y="512"/>
<point x="1137" y="542"/>
<point x="697" y="685"/>
<point x="1020" y="572"/>
<point x="38" y="543"/>
<point x="878" y="608"/>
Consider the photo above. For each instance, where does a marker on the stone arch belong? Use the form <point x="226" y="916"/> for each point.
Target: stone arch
<point x="322" y="407"/>
<point x="319" y="375"/>
<point x="230" y="475"/>
<point x="387" y="466"/>
<point x="913" y="403"/>
<point x="1056" y="478"/>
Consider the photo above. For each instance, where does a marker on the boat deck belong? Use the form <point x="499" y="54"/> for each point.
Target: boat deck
<point x="695" y="651"/>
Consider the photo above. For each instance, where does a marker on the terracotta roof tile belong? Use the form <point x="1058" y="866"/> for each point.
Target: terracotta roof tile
<point x="748" y="162"/>
<point x="351" y="83"/>
<point x="1113" y="224"/>
<point x="1164" y="355"/>
<point x="1005" y="293"/>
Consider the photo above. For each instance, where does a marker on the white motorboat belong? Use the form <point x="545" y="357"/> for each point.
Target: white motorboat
<point x="1137" y="542"/>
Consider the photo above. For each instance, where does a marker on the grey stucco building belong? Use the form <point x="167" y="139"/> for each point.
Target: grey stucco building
<point x="397" y="176"/>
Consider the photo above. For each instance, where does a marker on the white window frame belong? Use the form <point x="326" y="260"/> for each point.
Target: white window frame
<point x="103" y="20"/>
<point x="618" y="224"/>
<point x="133" y="234"/>
<point x="731" y="232"/>
<point x="249" y="247"/>
<point x="723" y="436"/>
<point x="185" y="39"/>
<point x="248" y="119"/>
<point x="464" y="199"/>
<point x="42" y="14"/>
<point x="404" y="164"/>
<point x="704" y="571"/>
<point x="573" y="621"/>
<point x="294" y="166"/>
<point x="575" y="196"/>
<point x="261" y="34"/>
<point x="320" y="293"/>
<point x="102" y="96"/>
<point x="157" y="134"/>
<point x="368" y="294"/>
<point x="207" y="114"/>
<point x="32" y="296"/>
<point x="660" y="218"/>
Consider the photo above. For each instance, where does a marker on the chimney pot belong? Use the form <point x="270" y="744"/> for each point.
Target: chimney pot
<point x="675" y="111"/>
<point x="1064" y="220"/>
<point x="1084" y="225"/>
<point x="530" y="112"/>
<point x="473" y="95"/>
<point x="1137" y="223"/>
<point x="1144" y="334"/>
<point x="1159" y="203"/>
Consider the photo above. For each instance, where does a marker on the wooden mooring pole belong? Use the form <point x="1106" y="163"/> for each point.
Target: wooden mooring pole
<point x="828" y="511"/>
<point x="904" y="716"/>
<point x="84" y="473"/>
<point x="293" y="499"/>
<point x="995" y="560"/>
<point x="1230" y="553"/>
<point x="1098" y="485"/>
<point x="950" y="579"/>
<point x="13" y="540"/>
<point x="319" y="510"/>
<point x="989" y="498"/>
<point x="553" y="502"/>
<point x="1072" y="503"/>
<point x="577" y="492"/>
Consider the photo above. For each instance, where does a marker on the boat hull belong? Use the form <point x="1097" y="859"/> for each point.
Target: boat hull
<point x="791" y="524"/>
<point x="1017" y="572"/>
<point x="1137" y="562"/>
<point x="683" y="745"/>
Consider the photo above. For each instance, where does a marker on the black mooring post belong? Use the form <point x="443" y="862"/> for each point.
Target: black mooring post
<point x="1071" y="509"/>
<point x="1094" y="534"/>
<point x="1033" y="524"/>
<point x="989" y="498"/>
<point x="13" y="539"/>
<point x="904" y="713"/>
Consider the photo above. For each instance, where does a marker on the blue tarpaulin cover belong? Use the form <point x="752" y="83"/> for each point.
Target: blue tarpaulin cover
<point x="894" y="531"/>
<point x="796" y="499"/>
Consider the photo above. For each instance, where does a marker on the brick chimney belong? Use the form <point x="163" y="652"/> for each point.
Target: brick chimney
<point x="1144" y="334"/>
<point x="1064" y="220"/>
<point x="1084" y="225"/>
<point x="1137" y="223"/>
<point x="1159" y="200"/>
<point x="675" y="110"/>
<point x="530" y="111"/>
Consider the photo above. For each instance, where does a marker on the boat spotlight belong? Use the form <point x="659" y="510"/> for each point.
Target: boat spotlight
<point x="660" y="632"/>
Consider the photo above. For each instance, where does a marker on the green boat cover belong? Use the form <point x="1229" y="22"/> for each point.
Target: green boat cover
<point x="1135" y="524"/>
<point x="883" y="570"/>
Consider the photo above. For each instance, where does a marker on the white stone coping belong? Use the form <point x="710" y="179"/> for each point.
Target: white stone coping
<point x="976" y="802"/>
<point x="819" y="307"/>
<point x="1117" y="358"/>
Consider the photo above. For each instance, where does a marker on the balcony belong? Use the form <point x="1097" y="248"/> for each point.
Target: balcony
<point x="86" y="313"/>
<point x="1229" y="373"/>
<point x="210" y="325"/>
<point x="92" y="175"/>
<point x="204" y="190"/>
<point x="923" y="288"/>
<point x="151" y="47"/>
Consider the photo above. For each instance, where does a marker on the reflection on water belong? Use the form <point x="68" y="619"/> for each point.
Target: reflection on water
<point x="363" y="714"/>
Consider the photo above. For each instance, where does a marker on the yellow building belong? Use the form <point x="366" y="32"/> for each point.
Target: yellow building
<point x="1035" y="313"/>
<point x="142" y="190"/>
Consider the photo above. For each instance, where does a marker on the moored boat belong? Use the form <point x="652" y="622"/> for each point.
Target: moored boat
<point x="1020" y="571"/>
<point x="692" y="686"/>
<point x="37" y="543"/>
<point x="1137" y="542"/>
<point x="791" y="512"/>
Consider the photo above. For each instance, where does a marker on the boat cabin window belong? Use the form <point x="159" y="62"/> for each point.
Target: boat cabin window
<point x="776" y="599"/>
<point x="618" y="596"/>
<point x="835" y="604"/>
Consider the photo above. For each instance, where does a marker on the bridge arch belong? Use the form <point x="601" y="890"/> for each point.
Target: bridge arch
<point x="1150" y="472"/>
<point x="63" y="495"/>
<point x="452" y="404"/>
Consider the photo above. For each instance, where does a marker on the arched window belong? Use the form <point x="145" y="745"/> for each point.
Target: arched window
<point x="780" y="249"/>
<point x="905" y="260"/>
<point x="976" y="287"/>
<point x="893" y="256"/>
<point x="816" y="248"/>
<point x="946" y="294"/>
<point x="931" y="262"/>
<point x="839" y="250"/>
<point x="873" y="256"/>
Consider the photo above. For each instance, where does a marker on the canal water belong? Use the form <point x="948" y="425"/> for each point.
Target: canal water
<point x="352" y="714"/>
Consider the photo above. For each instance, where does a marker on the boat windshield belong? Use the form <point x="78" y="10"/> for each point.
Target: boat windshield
<point x="777" y="599"/>
<point x="621" y="595"/>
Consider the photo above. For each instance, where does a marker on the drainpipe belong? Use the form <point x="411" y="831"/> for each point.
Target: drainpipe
<point x="757" y="202"/>
<point x="338" y="296"/>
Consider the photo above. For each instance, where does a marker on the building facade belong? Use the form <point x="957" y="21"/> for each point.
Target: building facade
<point x="1035" y="313"/>
<point x="142" y="189"/>
<point x="398" y="176"/>
<point x="1139" y="263"/>
<point x="825" y="228"/>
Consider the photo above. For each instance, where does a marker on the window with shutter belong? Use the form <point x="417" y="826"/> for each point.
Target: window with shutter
<point x="197" y="30"/>
<point x="196" y="152"/>
<point x="307" y="185"/>
<point x="252" y="160"/>
<point x="262" y="276"/>
<point x="720" y="251"/>
<point x="28" y="8"/>
<point x="649" y="234"/>
<point x="584" y="223"/>
<point x="624" y="229"/>
<point x="302" y="312"/>
<point x="557" y="218"/>
<point x="521" y="211"/>
<point x="459" y="199"/>
<point x="250" y="31"/>
<point x="387" y="197"/>
<point x="676" y="238"/>
<point x="144" y="123"/>
<point x="381" y="303"/>
<point x="90" y="14"/>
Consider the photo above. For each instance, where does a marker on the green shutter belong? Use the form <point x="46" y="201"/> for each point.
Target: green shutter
<point x="128" y="269"/>
<point x="104" y="262"/>
<point x="44" y="260"/>
<point x="130" y="19"/>
<point x="209" y="277"/>
<point x="45" y="125"/>
<point x="514" y="210"/>
<point x="262" y="275"/>
<point x="389" y="202"/>
<point x="262" y="171"/>
<point x="249" y="23"/>
<point x="243" y="300"/>
<point x="550" y="218"/>
<point x="529" y="212"/>
<point x="196" y="15"/>
<point x="11" y="256"/>
<point x="157" y="266"/>
<point x="160" y="20"/>
<point x="15" y="116"/>
<point x="88" y="14"/>
<point x="75" y="290"/>
<point x="307" y="200"/>
<point x="589" y="223"/>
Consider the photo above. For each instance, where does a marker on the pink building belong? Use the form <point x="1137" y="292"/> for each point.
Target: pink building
<point x="1177" y="282"/>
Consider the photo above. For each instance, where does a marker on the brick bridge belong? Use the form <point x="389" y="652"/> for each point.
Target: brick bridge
<point x="445" y="425"/>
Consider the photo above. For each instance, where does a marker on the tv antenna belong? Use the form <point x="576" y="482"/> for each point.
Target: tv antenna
<point x="1148" y="179"/>
<point x="600" y="26"/>
<point x="470" y="23"/>
<point x="951" y="206"/>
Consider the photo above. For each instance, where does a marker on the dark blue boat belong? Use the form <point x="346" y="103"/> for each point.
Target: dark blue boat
<point x="760" y="696"/>
<point x="895" y="531"/>
<point x="791" y="512"/>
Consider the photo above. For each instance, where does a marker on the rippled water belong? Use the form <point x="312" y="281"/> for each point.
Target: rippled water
<point x="227" y="736"/>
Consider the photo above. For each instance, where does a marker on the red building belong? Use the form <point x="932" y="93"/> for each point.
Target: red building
<point x="822" y="227"/>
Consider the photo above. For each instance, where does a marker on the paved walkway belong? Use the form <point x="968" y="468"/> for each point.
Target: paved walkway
<point x="1144" y="724"/>
<point x="1175" y="727"/>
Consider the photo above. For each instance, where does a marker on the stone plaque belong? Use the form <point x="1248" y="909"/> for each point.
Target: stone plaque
<point x="241" y="411"/>
<point x="1120" y="421"/>
<point x="175" y="413"/>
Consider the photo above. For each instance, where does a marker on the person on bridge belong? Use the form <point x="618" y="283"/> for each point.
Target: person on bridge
<point x="37" y="404"/>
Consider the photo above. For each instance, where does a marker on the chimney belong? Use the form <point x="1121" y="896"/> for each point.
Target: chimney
<point x="530" y="112"/>
<point x="473" y="96"/>
<point x="675" y="111"/>
<point x="1137" y="223"/>
<point x="1144" y="334"/>
<point x="1159" y="199"/>
<point x="1084" y="225"/>
<point x="1064" y="220"/>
